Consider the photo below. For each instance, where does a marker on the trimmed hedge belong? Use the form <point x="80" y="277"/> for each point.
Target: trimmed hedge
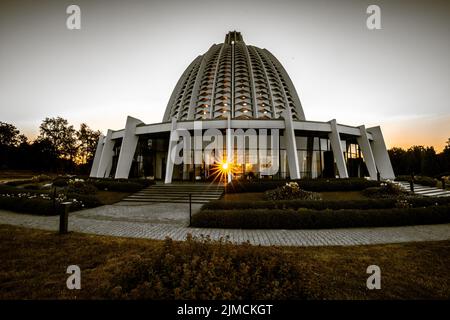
<point x="142" y="182"/>
<point x="117" y="186"/>
<point x="12" y="190"/>
<point x="60" y="182"/>
<point x="320" y="219"/>
<point x="316" y="185"/>
<point x="89" y="201"/>
<point x="31" y="206"/>
<point x="322" y="204"/>
<point x="16" y="183"/>
<point x="44" y="207"/>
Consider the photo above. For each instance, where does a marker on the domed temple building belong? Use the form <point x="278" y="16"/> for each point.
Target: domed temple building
<point x="235" y="113"/>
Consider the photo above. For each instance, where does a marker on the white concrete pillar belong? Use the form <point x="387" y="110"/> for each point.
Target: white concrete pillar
<point x="336" y="146"/>
<point x="105" y="163"/>
<point x="171" y="152"/>
<point x="230" y="148"/>
<point x="128" y="148"/>
<point x="380" y="154"/>
<point x="291" y="146"/>
<point x="364" y="144"/>
<point x="97" y="156"/>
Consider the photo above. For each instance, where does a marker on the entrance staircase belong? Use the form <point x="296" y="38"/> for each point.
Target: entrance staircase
<point x="178" y="193"/>
<point x="424" y="190"/>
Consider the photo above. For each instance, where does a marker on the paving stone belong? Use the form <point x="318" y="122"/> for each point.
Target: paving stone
<point x="157" y="230"/>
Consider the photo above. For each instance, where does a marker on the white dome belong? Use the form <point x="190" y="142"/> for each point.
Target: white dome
<point x="234" y="77"/>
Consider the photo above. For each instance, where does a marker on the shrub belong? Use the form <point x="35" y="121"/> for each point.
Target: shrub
<point x="16" y="183"/>
<point x="41" y="178"/>
<point x="205" y="269"/>
<point x="316" y="219"/>
<point x="12" y="190"/>
<point x="35" y="206"/>
<point x="87" y="200"/>
<point x="316" y="185"/>
<point x="78" y="186"/>
<point x="60" y="182"/>
<point x="386" y="190"/>
<point x="325" y="204"/>
<point x="118" y="186"/>
<point x="31" y="186"/>
<point x="290" y="191"/>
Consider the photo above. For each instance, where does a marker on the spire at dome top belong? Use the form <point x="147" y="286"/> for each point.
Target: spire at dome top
<point x="233" y="36"/>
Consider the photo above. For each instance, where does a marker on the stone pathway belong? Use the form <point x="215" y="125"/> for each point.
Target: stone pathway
<point x="103" y="222"/>
<point x="424" y="190"/>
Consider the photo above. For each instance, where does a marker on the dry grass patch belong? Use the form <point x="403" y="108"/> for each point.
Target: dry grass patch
<point x="33" y="266"/>
<point x="111" y="197"/>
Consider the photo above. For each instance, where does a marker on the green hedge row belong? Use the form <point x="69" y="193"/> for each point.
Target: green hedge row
<point x="316" y="185"/>
<point x="16" y="183"/>
<point x="89" y="201"/>
<point x="119" y="185"/>
<point x="322" y="204"/>
<point x="31" y="206"/>
<point x="320" y="219"/>
<point x="13" y="190"/>
<point x="37" y="206"/>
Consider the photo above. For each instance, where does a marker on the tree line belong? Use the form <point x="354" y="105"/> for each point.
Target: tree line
<point x="421" y="160"/>
<point x="59" y="147"/>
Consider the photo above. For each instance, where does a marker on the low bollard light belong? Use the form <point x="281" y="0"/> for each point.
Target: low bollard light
<point x="190" y="209"/>
<point x="411" y="185"/>
<point x="64" y="218"/>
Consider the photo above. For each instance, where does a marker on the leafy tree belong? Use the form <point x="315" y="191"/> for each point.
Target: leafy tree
<point x="87" y="143"/>
<point x="9" y="134"/>
<point x="399" y="160"/>
<point x="430" y="162"/>
<point x="444" y="158"/>
<point x="61" y="135"/>
<point x="44" y="154"/>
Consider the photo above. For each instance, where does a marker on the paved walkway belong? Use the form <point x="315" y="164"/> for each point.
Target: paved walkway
<point x="111" y="220"/>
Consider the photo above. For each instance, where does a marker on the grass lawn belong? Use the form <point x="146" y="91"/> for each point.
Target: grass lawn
<point x="110" y="197"/>
<point x="34" y="262"/>
<point x="14" y="175"/>
<point x="246" y="196"/>
<point x="343" y="195"/>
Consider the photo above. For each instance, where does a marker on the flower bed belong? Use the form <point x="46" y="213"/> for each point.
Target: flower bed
<point x="290" y="191"/>
<point x="41" y="202"/>
<point x="37" y="204"/>
<point x="315" y="185"/>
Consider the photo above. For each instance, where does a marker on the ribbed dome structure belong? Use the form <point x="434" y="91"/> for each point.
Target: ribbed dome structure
<point x="232" y="77"/>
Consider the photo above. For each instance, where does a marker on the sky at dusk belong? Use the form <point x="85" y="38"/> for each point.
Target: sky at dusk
<point x="128" y="56"/>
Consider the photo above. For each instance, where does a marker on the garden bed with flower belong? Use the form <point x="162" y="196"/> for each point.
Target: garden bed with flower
<point x="43" y="195"/>
<point x="289" y="206"/>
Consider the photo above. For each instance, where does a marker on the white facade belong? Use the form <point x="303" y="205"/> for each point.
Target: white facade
<point x="231" y="89"/>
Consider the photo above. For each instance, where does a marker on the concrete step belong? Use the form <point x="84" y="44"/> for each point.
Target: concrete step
<point x="424" y="190"/>
<point x="177" y="193"/>
<point x="163" y="200"/>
